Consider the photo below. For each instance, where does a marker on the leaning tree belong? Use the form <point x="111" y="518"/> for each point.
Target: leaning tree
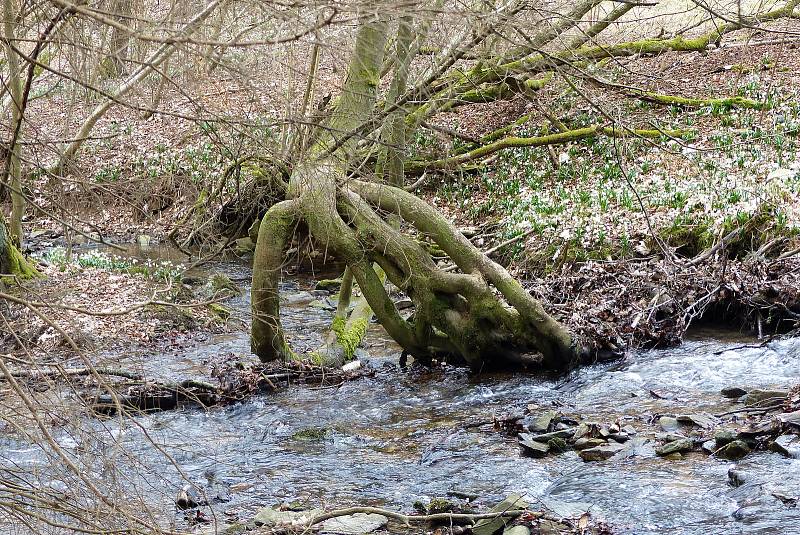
<point x="347" y="182"/>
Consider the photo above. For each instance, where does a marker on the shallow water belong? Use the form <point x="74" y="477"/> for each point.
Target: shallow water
<point x="400" y="436"/>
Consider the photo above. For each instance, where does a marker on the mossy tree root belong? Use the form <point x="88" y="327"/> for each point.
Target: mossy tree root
<point x="12" y="262"/>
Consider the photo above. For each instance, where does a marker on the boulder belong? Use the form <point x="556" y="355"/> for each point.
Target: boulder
<point x="734" y="450"/>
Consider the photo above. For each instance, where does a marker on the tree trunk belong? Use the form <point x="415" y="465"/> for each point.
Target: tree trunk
<point x="478" y="316"/>
<point x="11" y="260"/>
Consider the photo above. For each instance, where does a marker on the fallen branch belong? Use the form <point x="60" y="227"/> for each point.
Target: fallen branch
<point x="552" y="139"/>
<point x="408" y="519"/>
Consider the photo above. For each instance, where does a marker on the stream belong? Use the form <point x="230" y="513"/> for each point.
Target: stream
<point x="400" y="436"/>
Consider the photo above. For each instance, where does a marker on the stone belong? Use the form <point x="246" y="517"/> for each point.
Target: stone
<point x="297" y="298"/>
<point x="551" y="527"/>
<point x="517" y="530"/>
<point x="489" y="525"/>
<point x="724" y="436"/>
<point x="619" y="437"/>
<point x="267" y="516"/>
<point x="709" y="446"/>
<point x="328" y="285"/>
<point x="629" y="429"/>
<point x="540" y="423"/>
<point x="790" y="418"/>
<point x="357" y="524"/>
<point x="676" y="446"/>
<point x="736" y="477"/>
<point x="403" y="304"/>
<point x="788" y="445"/>
<point x="764" y="427"/>
<point x="706" y="421"/>
<point x="244" y="245"/>
<point x="581" y="431"/>
<point x="532" y="448"/>
<point x="669" y="423"/>
<point x="601" y="453"/>
<point x="734" y="450"/>
<point x="765" y="397"/>
<point x="143" y="240"/>
<point x="733" y="392"/>
<point x="557" y="444"/>
<point x="586" y="442"/>
<point x="670" y="437"/>
<point x="545" y="437"/>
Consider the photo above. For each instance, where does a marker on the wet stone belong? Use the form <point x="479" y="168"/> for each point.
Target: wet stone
<point x="734" y="450"/>
<point x="601" y="453"/>
<point x="557" y="444"/>
<point x="706" y="421"/>
<point x="736" y="477"/>
<point x="586" y="442"/>
<point x="791" y="418"/>
<point x="669" y="423"/>
<point x="357" y="524"/>
<point x="629" y="429"/>
<point x="545" y="437"/>
<point x="788" y="445"/>
<point x="709" y="446"/>
<point x="619" y="437"/>
<point x="670" y="437"/>
<point x="765" y="397"/>
<point x="733" y="392"/>
<point x="532" y="448"/>
<point x="676" y="446"/>
<point x="724" y="436"/>
<point x="517" y="530"/>
<point x="539" y="424"/>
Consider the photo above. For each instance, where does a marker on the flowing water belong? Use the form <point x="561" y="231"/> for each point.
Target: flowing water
<point x="399" y="436"/>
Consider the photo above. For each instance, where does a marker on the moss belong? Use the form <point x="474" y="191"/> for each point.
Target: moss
<point x="328" y="285"/>
<point x="687" y="102"/>
<point x="349" y="337"/>
<point x="311" y="434"/>
<point x="13" y="263"/>
<point x="220" y="311"/>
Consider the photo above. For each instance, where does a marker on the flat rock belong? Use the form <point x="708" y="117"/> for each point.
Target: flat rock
<point x="586" y="443"/>
<point x="734" y="450"/>
<point x="357" y="524"/>
<point x="490" y="525"/>
<point x="765" y="427"/>
<point x="676" y="446"/>
<point x="765" y="397"/>
<point x="788" y="445"/>
<point x="517" y="530"/>
<point x="790" y="418"/>
<point x="540" y="423"/>
<point x="270" y="517"/>
<point x="706" y="421"/>
<point x="546" y="437"/>
<point x="601" y="453"/>
<point x="532" y="448"/>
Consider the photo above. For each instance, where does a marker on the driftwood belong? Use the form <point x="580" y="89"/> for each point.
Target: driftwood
<point x="233" y="382"/>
